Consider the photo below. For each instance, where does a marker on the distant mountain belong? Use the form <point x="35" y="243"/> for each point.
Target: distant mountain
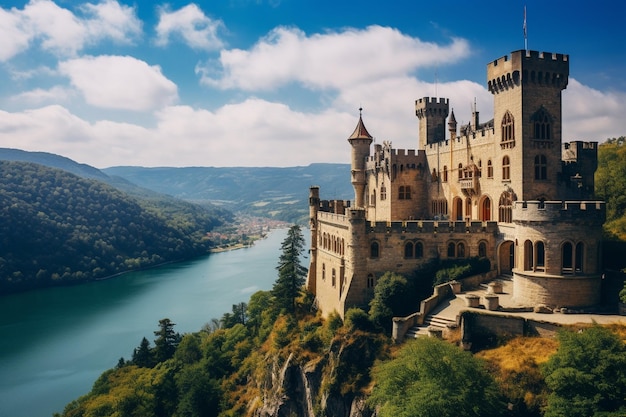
<point x="281" y="193"/>
<point x="53" y="161"/>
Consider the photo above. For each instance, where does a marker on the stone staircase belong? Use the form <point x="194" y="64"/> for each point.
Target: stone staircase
<point x="432" y="322"/>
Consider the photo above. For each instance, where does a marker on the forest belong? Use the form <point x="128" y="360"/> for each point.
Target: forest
<point x="58" y="228"/>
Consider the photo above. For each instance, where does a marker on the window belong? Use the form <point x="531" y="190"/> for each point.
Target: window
<point x="404" y="192"/>
<point x="541" y="167"/>
<point x="374" y="250"/>
<point x="508" y="131"/>
<point x="371" y="282"/>
<point x="460" y="250"/>
<point x="541" y="255"/>
<point x="383" y="193"/>
<point x="542" y="124"/>
<point x="419" y="250"/>
<point x="505" y="207"/>
<point x="451" y="250"/>
<point x="489" y="169"/>
<point x="408" y="250"/>
<point x="528" y="256"/>
<point x="323" y="271"/>
<point x="434" y="174"/>
<point x="445" y="173"/>
<point x="334" y="279"/>
<point x="482" y="250"/>
<point x="567" y="253"/>
<point x="460" y="171"/>
<point x="506" y="168"/>
<point x="578" y="258"/>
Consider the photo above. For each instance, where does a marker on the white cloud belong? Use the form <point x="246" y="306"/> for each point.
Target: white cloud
<point x="62" y="32"/>
<point x="329" y="60"/>
<point x="119" y="82"/>
<point x="38" y="96"/>
<point x="192" y="25"/>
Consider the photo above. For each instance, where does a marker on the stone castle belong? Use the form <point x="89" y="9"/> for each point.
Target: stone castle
<point x="508" y="190"/>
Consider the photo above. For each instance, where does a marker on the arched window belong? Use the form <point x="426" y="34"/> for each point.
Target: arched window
<point x="528" y="256"/>
<point x="445" y="173"/>
<point x="489" y="169"/>
<point x="579" y="256"/>
<point x="371" y="282"/>
<point x="383" y="193"/>
<point x="460" y="171"/>
<point x="485" y="212"/>
<point x="404" y="192"/>
<point x="541" y="255"/>
<point x="482" y="250"/>
<point x="374" y="250"/>
<point x="323" y="271"/>
<point x="434" y="174"/>
<point x="460" y="250"/>
<point x="451" y="250"/>
<point x="334" y="279"/>
<point x="408" y="250"/>
<point x="508" y="131"/>
<point x="542" y="124"/>
<point x="468" y="207"/>
<point x="505" y="207"/>
<point x="567" y="261"/>
<point x="541" y="167"/>
<point x="506" y="168"/>
<point x="419" y="250"/>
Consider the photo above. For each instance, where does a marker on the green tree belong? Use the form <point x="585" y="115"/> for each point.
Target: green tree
<point x="391" y="296"/>
<point x="166" y="342"/>
<point x="611" y="184"/>
<point x="142" y="355"/>
<point x="291" y="273"/>
<point x="587" y="374"/>
<point x="433" y="378"/>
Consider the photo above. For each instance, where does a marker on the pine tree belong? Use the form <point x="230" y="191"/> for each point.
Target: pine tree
<point x="142" y="356"/>
<point x="291" y="274"/>
<point x="166" y="342"/>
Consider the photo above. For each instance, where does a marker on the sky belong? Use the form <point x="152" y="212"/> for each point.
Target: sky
<point x="280" y="82"/>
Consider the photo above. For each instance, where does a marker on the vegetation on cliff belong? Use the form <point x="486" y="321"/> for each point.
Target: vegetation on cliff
<point x="610" y="185"/>
<point x="57" y="228"/>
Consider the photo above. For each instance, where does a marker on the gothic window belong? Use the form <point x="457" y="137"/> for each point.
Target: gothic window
<point x="383" y="193"/>
<point x="404" y="192"/>
<point x="567" y="261"/>
<point x="505" y="207"/>
<point x="419" y="250"/>
<point x="578" y="257"/>
<point x="508" y="131"/>
<point x="451" y="250"/>
<point x="374" y="250"/>
<point x="489" y="169"/>
<point x="482" y="250"/>
<point x="408" y="250"/>
<point x="460" y="250"/>
<point x="541" y="167"/>
<point x="506" y="168"/>
<point x="434" y="174"/>
<point x="460" y="171"/>
<point x="445" y="173"/>
<point x="373" y="198"/>
<point x="542" y="124"/>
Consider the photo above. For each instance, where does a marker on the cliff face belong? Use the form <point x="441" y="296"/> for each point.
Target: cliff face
<point x="303" y="390"/>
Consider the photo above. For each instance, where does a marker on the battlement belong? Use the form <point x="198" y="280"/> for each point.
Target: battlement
<point x="543" y="68"/>
<point x="564" y="211"/>
<point x="334" y="206"/>
<point x="432" y="226"/>
<point x="431" y="106"/>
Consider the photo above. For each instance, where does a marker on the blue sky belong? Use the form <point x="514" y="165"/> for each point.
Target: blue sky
<point x="280" y="82"/>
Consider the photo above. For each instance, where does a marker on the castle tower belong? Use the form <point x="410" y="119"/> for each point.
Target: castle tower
<point x="527" y="120"/>
<point x="432" y="114"/>
<point x="314" y="205"/>
<point x="360" y="140"/>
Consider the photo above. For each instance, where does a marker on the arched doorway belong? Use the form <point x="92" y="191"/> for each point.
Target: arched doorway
<point x="506" y="257"/>
<point x="485" y="209"/>
<point x="457" y="206"/>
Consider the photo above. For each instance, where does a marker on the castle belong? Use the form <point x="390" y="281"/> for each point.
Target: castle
<point x="508" y="190"/>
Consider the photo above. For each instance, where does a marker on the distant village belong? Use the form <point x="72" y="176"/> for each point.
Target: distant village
<point x="243" y="232"/>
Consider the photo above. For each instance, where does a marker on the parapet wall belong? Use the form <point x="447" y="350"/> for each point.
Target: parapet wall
<point x="432" y="226"/>
<point x="550" y="211"/>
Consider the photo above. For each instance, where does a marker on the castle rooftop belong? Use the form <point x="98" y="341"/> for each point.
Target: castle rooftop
<point x="360" y="132"/>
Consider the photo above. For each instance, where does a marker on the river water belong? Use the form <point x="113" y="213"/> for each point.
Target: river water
<point x="54" y="343"/>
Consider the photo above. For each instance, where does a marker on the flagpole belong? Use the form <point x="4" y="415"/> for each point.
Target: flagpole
<point x="525" y="31"/>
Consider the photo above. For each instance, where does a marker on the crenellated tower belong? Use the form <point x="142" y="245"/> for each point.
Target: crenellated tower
<point x="527" y="88"/>
<point x="432" y="114"/>
<point x="360" y="140"/>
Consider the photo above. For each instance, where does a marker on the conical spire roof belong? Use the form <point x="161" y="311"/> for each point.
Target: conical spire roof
<point x="360" y="132"/>
<point x="452" y="119"/>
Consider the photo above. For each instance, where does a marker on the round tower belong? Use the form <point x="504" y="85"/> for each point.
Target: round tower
<point x="432" y="114"/>
<point x="360" y="140"/>
<point x="314" y="205"/>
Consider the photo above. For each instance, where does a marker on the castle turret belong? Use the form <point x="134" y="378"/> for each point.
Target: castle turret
<point x="314" y="205"/>
<point x="452" y="125"/>
<point x="360" y="140"/>
<point x="432" y="115"/>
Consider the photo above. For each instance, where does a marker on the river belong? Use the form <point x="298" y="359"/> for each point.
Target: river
<point x="56" y="342"/>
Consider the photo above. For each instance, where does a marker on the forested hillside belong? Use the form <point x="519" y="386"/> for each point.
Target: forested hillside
<point x="58" y="228"/>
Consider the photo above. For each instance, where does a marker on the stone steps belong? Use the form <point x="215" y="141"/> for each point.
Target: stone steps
<point x="430" y="322"/>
